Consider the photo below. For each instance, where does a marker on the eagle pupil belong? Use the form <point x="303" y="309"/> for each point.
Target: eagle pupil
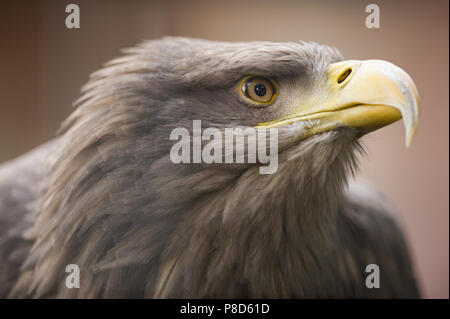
<point x="260" y="90"/>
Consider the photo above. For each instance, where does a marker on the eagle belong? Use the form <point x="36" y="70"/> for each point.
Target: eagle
<point x="104" y="194"/>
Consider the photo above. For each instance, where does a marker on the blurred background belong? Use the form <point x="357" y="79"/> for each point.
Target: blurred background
<point x="43" y="66"/>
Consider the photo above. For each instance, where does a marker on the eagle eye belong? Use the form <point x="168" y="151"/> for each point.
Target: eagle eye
<point x="259" y="90"/>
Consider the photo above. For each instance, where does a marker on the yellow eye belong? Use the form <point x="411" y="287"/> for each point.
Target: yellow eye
<point x="259" y="90"/>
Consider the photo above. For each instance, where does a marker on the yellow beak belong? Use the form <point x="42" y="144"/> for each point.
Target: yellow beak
<point x="365" y="95"/>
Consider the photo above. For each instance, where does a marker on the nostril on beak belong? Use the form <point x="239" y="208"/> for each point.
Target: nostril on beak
<point x="344" y="75"/>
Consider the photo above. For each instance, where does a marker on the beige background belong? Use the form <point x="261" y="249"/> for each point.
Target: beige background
<point x="43" y="66"/>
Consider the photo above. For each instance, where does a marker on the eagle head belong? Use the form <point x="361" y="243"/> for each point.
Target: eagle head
<point x="138" y="224"/>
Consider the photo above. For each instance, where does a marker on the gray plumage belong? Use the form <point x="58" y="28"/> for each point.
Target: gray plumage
<point x="104" y="195"/>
